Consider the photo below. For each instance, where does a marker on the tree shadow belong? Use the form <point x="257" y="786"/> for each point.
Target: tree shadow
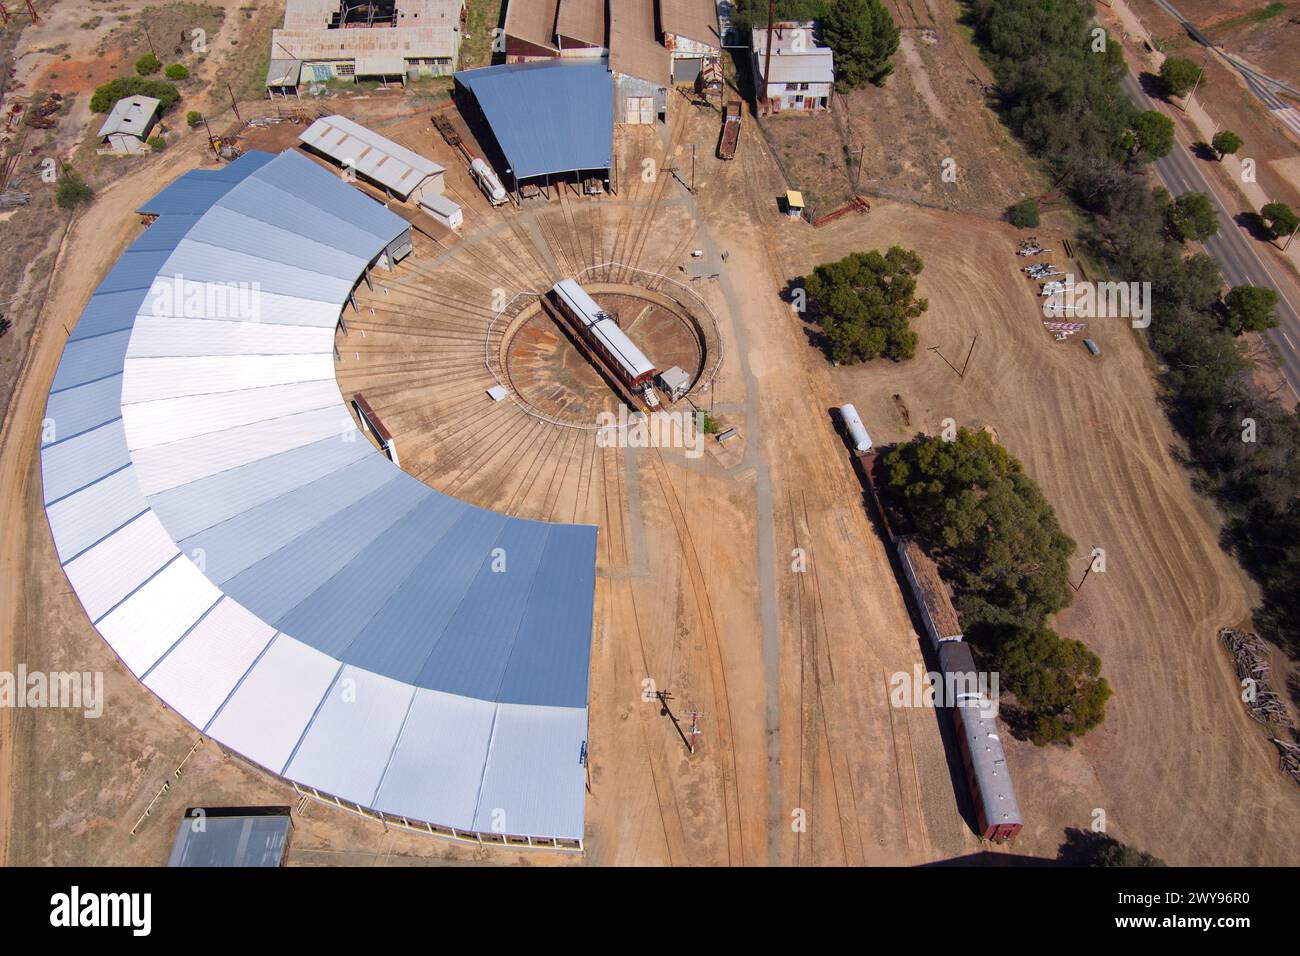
<point x="1153" y="86"/>
<point x="1254" y="224"/>
<point x="1204" y="151"/>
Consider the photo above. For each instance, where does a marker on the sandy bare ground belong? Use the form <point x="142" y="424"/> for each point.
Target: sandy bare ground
<point x="700" y="587"/>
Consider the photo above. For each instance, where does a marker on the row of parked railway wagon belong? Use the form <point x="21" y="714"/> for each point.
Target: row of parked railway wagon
<point x="974" y="712"/>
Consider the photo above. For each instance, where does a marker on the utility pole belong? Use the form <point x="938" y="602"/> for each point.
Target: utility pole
<point x="1204" y="63"/>
<point x="767" y="60"/>
<point x="695" y="729"/>
<point x="1290" y="237"/>
<point x="692" y="169"/>
<point x="1092" y="557"/>
<point x="233" y="105"/>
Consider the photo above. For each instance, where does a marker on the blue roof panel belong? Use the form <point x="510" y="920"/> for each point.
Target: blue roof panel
<point x="548" y="117"/>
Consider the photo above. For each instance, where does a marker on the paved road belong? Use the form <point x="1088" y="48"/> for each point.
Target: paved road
<point x="1264" y="87"/>
<point x="1230" y="247"/>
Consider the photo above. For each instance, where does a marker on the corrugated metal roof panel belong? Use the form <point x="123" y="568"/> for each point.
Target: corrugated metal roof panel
<point x="86" y="360"/>
<point x="204" y="504"/>
<point x="548" y="117"/>
<point x="299" y="176"/>
<point x="157" y="337"/>
<point x="155" y="379"/>
<point x="80" y="520"/>
<point x="343" y="605"/>
<point x="81" y="408"/>
<point x="263" y="201"/>
<point x="550" y="663"/>
<point x="88" y="457"/>
<point x="156" y="616"/>
<point x="433" y="774"/>
<point x="238" y="543"/>
<point x="166" y="466"/>
<point x="534" y="779"/>
<point x="265" y="716"/>
<point x="204" y="262"/>
<point x="277" y="583"/>
<point x="228" y="229"/>
<point x="402" y="638"/>
<point x="119" y="564"/>
<point x="347" y="746"/>
<point x="201" y="671"/>
<point x="371" y="154"/>
<point x="175" y="419"/>
<point x="470" y="657"/>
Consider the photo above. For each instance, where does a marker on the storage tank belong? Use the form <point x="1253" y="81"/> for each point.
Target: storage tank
<point x="496" y="193"/>
<point x="857" y="431"/>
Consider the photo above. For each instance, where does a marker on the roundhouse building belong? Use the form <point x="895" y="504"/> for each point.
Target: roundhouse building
<point x="261" y="567"/>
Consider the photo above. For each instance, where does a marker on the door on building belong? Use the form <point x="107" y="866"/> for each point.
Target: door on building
<point x="639" y="109"/>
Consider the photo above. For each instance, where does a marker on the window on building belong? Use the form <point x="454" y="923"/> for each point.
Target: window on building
<point x="346" y="69"/>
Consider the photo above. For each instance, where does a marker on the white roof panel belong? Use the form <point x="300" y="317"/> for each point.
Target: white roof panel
<point x="173" y="419"/>
<point x="166" y="466"/>
<point x="433" y="774"/>
<point x="116" y="566"/>
<point x="158" y="614"/>
<point x="535" y="778"/>
<point x="373" y="155"/>
<point x="160" y="337"/>
<point x="201" y="671"/>
<point x="265" y="716"/>
<point x="150" y="379"/>
<point x="347" y="746"/>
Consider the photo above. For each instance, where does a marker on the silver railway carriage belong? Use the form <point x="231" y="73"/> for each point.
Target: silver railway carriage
<point x="982" y="755"/>
<point x="602" y="333"/>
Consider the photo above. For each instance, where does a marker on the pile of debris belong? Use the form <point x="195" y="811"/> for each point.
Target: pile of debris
<point x="1250" y="659"/>
<point x="42" y="116"/>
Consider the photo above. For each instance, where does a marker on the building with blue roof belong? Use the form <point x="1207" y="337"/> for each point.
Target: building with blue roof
<point x="254" y="560"/>
<point x="541" y="122"/>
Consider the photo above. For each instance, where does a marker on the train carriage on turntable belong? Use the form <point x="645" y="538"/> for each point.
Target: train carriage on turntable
<point x="600" y="332"/>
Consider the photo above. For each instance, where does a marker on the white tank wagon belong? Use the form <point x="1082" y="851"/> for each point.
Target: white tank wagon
<point x="857" y="431"/>
<point x="488" y="182"/>
<point x="601" y="331"/>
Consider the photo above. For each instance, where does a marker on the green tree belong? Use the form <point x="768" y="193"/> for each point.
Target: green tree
<point x="1057" y="684"/>
<point x="1086" y="848"/>
<point x="1024" y="214"/>
<point x="865" y="302"/>
<point x="106" y="96"/>
<point x="1192" y="216"/>
<point x="1280" y="219"/>
<point x="1152" y="135"/>
<point x="193" y="118"/>
<point x="1250" y="308"/>
<point x="749" y="14"/>
<point x="72" y="190"/>
<point x="1179" y="76"/>
<point x="864" y="37"/>
<point x="148" y="65"/>
<point x="176" y="71"/>
<point x="1225" y="142"/>
<point x="992" y="529"/>
<point x="157" y="143"/>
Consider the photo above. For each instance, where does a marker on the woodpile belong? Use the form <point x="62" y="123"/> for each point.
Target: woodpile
<point x="1250" y="659"/>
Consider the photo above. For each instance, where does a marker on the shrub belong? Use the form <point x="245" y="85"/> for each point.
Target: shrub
<point x="148" y="64"/>
<point x="157" y="143"/>
<point x="1179" y="75"/>
<point x="107" y="95"/>
<point x="1024" y="214"/>
<point x="72" y="190"/>
<point x="1225" y="142"/>
<point x="176" y="72"/>
<point x="193" y="118"/>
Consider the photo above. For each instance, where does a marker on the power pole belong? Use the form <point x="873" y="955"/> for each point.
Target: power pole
<point x="1204" y="63"/>
<point x="767" y="60"/>
<point x="233" y="105"/>
<point x="1290" y="237"/>
<point x="695" y="729"/>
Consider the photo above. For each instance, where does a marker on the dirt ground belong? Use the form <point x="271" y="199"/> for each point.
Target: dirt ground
<point x="750" y="583"/>
<point x="1224" y="94"/>
<point x="925" y="137"/>
<point x="1242" y="27"/>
